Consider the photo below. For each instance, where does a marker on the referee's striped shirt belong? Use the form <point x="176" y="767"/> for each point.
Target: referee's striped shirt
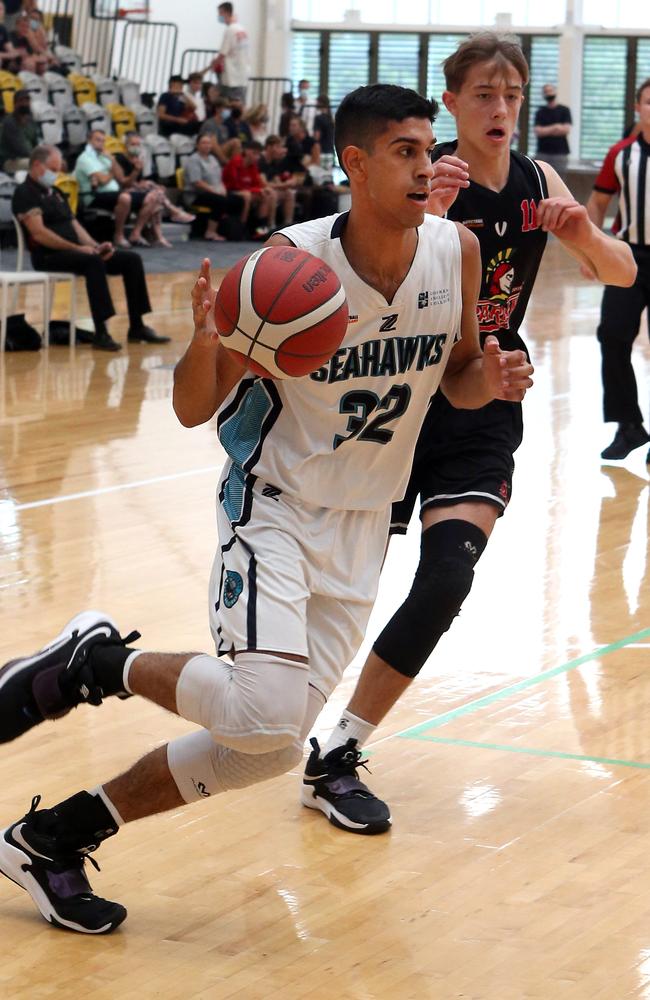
<point x="625" y="172"/>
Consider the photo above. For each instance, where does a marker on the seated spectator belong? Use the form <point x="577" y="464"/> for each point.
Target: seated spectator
<point x="257" y="119"/>
<point x="6" y="50"/>
<point x="148" y="199"/>
<point x="215" y="127"/>
<point x="288" y="108"/>
<point x="194" y="90"/>
<point x="236" y="126"/>
<point x="273" y="167"/>
<point x="241" y="176"/>
<point x="12" y="9"/>
<point x="58" y="242"/>
<point x="212" y="94"/>
<point x="324" y="130"/>
<point x="30" y="39"/>
<point x="18" y="134"/>
<point x="99" y="185"/>
<point x="302" y="150"/>
<point x="204" y="187"/>
<point x="176" y="111"/>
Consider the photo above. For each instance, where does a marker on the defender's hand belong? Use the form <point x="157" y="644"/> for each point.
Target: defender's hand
<point x="450" y="176"/>
<point x="508" y="373"/>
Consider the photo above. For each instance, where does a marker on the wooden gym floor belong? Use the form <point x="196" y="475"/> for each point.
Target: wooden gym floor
<point x="517" y="766"/>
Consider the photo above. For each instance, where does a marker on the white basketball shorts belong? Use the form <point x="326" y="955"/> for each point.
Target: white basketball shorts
<point x="289" y="577"/>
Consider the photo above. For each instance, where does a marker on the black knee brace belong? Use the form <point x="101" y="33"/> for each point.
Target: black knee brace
<point x="442" y="581"/>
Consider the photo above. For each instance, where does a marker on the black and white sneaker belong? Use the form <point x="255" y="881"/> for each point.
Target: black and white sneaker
<point x="48" y="684"/>
<point x="331" y="784"/>
<point x="56" y="879"/>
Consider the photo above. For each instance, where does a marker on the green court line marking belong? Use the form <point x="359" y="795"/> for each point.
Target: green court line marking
<point x="534" y="752"/>
<point x="489" y="699"/>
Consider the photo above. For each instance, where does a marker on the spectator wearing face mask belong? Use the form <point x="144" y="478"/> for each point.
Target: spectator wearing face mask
<point x="19" y="135"/>
<point x="232" y="61"/>
<point x="304" y="108"/>
<point x="552" y="127"/>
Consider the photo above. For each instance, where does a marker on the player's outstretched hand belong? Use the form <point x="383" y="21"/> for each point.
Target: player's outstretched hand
<point x="566" y="218"/>
<point x="203" y="296"/>
<point x="509" y="373"/>
<point x="449" y="177"/>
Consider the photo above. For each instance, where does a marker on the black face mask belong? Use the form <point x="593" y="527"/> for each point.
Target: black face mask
<point x="549" y="98"/>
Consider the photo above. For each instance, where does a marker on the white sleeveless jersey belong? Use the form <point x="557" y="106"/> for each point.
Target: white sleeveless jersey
<point x="344" y="436"/>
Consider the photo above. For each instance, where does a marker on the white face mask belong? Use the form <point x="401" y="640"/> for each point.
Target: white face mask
<point x="49" y="178"/>
<point x="133" y="150"/>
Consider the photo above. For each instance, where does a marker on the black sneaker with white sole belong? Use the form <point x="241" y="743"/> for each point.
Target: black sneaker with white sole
<point x="55" y="878"/>
<point x="331" y="784"/>
<point x="51" y="682"/>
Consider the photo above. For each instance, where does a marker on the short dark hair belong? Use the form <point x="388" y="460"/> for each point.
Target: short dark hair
<point x="194" y="76"/>
<point x="484" y="46"/>
<point x="364" y="114"/>
<point x="225" y="7"/>
<point x="254" y="145"/>
<point x="273" y="140"/>
<point x="93" y="131"/>
<point x="175" y="78"/>
<point x="642" y="86"/>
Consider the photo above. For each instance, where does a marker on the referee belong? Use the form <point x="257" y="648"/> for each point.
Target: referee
<point x="625" y="172"/>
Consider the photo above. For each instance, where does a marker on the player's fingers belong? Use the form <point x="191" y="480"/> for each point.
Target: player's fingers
<point x="491" y="346"/>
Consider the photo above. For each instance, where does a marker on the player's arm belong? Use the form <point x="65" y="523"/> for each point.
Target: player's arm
<point x="207" y="372"/>
<point x="473" y="378"/>
<point x="610" y="260"/>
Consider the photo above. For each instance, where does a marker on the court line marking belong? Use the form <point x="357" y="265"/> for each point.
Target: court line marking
<point x="534" y="751"/>
<point x="436" y="721"/>
<point x="109" y="489"/>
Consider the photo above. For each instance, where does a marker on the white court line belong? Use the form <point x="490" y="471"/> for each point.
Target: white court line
<point x="111" y="489"/>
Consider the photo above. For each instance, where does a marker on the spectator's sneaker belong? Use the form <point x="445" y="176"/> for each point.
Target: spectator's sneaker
<point x="627" y="438"/>
<point x="56" y="879"/>
<point x="54" y="680"/>
<point x="331" y="784"/>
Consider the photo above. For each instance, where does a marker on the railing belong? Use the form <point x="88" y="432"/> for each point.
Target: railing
<point x="261" y="89"/>
<point x="147" y="51"/>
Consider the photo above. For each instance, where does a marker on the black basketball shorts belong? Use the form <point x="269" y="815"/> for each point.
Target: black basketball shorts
<point x="462" y="455"/>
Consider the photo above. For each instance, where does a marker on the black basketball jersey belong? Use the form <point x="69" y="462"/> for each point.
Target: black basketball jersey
<point x="512" y="244"/>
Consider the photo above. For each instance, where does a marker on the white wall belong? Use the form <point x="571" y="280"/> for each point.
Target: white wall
<point x="198" y="27"/>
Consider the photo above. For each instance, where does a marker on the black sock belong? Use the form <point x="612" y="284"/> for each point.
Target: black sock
<point x="78" y="823"/>
<point x="107" y="663"/>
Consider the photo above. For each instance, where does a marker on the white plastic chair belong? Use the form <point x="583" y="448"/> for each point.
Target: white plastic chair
<point x="52" y="278"/>
<point x="14" y="280"/>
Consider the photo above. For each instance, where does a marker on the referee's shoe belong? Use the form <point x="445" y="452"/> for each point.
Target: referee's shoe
<point x="331" y="784"/>
<point x="49" y="683"/>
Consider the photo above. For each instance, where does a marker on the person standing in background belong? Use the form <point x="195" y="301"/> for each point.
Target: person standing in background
<point x="552" y="127"/>
<point x="232" y="61"/>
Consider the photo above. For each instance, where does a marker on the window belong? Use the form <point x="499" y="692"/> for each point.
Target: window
<point x="349" y="63"/>
<point x="305" y="58"/>
<point x="642" y="61"/>
<point x="544" y="57"/>
<point x="399" y="59"/>
<point x="604" y="69"/>
<point x="441" y="46"/>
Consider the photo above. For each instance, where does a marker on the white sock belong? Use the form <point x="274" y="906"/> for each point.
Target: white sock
<point x="101" y="794"/>
<point x="127" y="666"/>
<point x="349" y="727"/>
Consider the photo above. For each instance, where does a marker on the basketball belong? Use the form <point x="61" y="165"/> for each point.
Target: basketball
<point x="282" y="311"/>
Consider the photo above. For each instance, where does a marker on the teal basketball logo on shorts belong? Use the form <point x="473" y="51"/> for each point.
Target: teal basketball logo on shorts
<point x="232" y="588"/>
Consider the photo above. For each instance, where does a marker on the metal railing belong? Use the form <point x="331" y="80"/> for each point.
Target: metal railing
<point x="147" y="52"/>
<point x="261" y="89"/>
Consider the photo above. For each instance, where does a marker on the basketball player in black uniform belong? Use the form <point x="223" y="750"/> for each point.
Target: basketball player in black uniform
<point x="464" y="462"/>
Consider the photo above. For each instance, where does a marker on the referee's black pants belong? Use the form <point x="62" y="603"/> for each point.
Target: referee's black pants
<point x="95" y="271"/>
<point x="620" y="316"/>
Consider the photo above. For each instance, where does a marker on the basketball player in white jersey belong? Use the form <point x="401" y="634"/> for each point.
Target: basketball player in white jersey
<point x="303" y="511"/>
<point x="463" y="466"/>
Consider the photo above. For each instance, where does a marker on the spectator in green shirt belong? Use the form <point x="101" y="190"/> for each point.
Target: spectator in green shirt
<point x="19" y="134"/>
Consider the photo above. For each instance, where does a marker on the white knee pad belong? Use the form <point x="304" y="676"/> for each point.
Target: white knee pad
<point x="200" y="767"/>
<point x="256" y="705"/>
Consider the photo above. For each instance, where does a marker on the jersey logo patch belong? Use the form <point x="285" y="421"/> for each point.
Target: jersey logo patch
<point x="501" y="228"/>
<point x="232" y="588"/>
<point x="499" y="302"/>
<point x="271" y="491"/>
<point x="388" y="323"/>
<point x="423" y="300"/>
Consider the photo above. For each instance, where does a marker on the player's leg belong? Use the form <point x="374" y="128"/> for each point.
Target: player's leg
<point x="474" y="466"/>
<point x="620" y="316"/>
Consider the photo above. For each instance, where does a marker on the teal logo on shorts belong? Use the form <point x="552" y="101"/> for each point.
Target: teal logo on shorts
<point x="232" y="588"/>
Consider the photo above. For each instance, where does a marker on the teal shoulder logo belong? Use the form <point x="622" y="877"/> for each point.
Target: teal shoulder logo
<point x="232" y="588"/>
